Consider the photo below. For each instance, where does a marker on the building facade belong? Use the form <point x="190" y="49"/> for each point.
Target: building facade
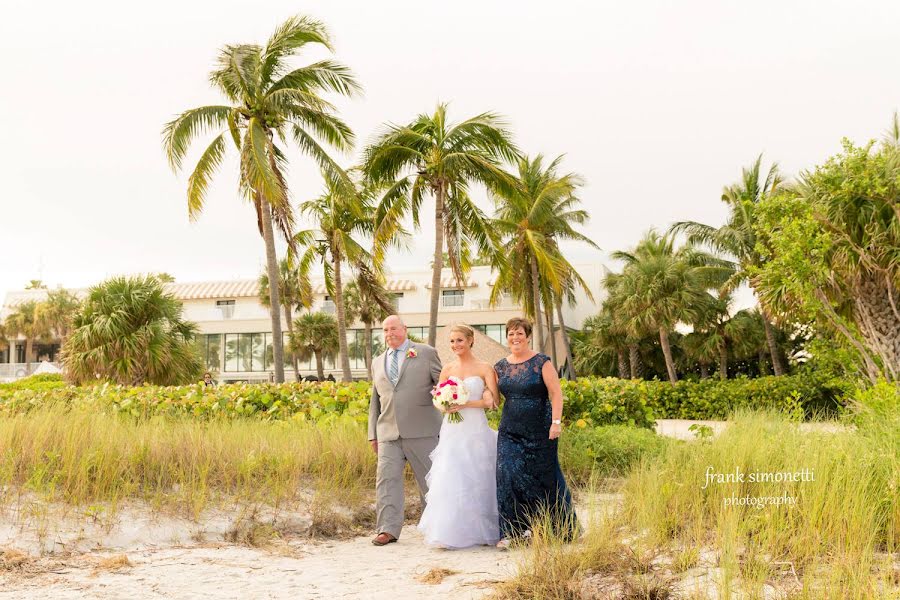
<point x="236" y="333"/>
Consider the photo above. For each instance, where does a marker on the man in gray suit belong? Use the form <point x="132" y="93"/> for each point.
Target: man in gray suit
<point x="403" y="423"/>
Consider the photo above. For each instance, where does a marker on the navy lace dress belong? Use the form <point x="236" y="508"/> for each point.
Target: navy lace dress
<point x="529" y="479"/>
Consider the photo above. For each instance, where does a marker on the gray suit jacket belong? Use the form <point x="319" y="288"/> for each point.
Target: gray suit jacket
<point x="405" y="410"/>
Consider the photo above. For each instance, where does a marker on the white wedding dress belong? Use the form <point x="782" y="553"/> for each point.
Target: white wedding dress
<point x="461" y="505"/>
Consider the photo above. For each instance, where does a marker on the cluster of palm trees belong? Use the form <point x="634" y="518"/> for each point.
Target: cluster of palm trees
<point x="364" y="210"/>
<point x="40" y="321"/>
<point x="662" y="285"/>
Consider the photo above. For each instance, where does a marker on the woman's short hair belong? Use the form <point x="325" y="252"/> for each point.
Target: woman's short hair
<point x="467" y="331"/>
<point x="519" y="323"/>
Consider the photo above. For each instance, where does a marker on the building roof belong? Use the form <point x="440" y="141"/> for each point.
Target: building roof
<point x="236" y="288"/>
<point x="391" y="285"/>
<point x="484" y="349"/>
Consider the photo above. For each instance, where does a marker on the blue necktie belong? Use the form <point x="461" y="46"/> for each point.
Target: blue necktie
<point x="394" y="370"/>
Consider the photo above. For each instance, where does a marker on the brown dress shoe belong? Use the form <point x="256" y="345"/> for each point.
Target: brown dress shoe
<point x="383" y="539"/>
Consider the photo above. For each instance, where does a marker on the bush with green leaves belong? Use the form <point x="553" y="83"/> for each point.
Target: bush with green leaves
<point x="303" y="401"/>
<point x="588" y="401"/>
<point x="607" y="451"/>
<point x="611" y="401"/>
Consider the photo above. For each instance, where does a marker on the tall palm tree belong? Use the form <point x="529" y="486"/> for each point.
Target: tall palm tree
<point x="295" y="290"/>
<point x="620" y="326"/>
<point x="26" y="319"/>
<point x="661" y="286"/>
<point x="433" y="156"/>
<point x="737" y="237"/>
<point x="603" y="338"/>
<point x="131" y="331"/>
<point x="58" y="311"/>
<point x="368" y="301"/>
<point x="315" y="334"/>
<point x="531" y="218"/>
<point x="339" y="214"/>
<point x="269" y="101"/>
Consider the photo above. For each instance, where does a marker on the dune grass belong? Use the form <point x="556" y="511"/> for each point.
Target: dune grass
<point x="839" y="538"/>
<point x="82" y="458"/>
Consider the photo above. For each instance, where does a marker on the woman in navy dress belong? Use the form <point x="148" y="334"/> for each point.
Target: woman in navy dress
<point x="529" y="479"/>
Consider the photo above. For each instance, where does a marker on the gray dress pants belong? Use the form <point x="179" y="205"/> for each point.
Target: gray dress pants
<point x="392" y="458"/>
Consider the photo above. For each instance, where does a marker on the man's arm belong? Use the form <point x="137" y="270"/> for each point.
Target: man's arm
<point x="374" y="413"/>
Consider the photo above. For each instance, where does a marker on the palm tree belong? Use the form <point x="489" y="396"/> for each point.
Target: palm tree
<point x="58" y="311"/>
<point x="268" y="100"/>
<point x="295" y="290"/>
<point x="339" y="214"/>
<point x="368" y="301"/>
<point x="603" y="339"/>
<point x="737" y="237"/>
<point x="27" y="320"/>
<point x="432" y="156"/>
<point x="131" y="331"/>
<point x="532" y="217"/>
<point x="315" y="334"/>
<point x="661" y="286"/>
<point x="619" y="325"/>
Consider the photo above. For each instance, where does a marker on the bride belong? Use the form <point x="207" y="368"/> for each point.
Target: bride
<point x="461" y="506"/>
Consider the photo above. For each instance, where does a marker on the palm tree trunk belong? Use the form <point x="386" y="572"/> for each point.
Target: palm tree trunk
<point x="623" y="364"/>
<point x="634" y="360"/>
<point x="438" y="264"/>
<point x="761" y="357"/>
<point x="368" y="341"/>
<point x="290" y="327"/>
<point x="667" y="352"/>
<point x="342" y="326"/>
<point x="274" y="292"/>
<point x="535" y="292"/>
<point x="29" y="348"/>
<point x="723" y="362"/>
<point x="567" y="346"/>
<point x="320" y="365"/>
<point x="777" y="365"/>
<point x="704" y="371"/>
<point x="548" y="314"/>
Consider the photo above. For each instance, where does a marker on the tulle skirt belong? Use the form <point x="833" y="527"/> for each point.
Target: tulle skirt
<point x="461" y="505"/>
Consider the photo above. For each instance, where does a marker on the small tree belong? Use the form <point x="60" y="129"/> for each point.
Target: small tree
<point x="296" y="293"/>
<point x="26" y="320"/>
<point x="315" y="334"/>
<point x="131" y="331"/>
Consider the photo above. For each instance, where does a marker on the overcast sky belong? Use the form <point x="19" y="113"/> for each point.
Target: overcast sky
<point x="657" y="104"/>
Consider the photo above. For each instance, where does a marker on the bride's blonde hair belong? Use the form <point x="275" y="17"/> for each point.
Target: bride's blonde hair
<point x="467" y="331"/>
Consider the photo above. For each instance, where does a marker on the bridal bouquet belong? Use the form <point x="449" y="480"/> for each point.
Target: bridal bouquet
<point x="449" y="393"/>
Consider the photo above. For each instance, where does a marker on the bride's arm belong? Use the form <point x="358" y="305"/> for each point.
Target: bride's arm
<point x="490" y="398"/>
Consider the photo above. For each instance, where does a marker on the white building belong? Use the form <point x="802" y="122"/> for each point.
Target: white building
<point x="236" y="329"/>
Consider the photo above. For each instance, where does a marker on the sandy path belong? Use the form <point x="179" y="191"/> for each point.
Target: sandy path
<point x="341" y="569"/>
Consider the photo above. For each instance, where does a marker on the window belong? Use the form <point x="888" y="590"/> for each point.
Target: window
<point x="452" y="298"/>
<point x="495" y="332"/>
<point x="226" y="307"/>
<point x="328" y="306"/>
<point x="210" y="345"/>
<point x="395" y="300"/>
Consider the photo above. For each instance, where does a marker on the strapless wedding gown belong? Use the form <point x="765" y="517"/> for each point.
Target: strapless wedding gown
<point x="461" y="505"/>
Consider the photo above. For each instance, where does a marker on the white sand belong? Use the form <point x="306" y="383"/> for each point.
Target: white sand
<point x="345" y="569"/>
<point x="174" y="557"/>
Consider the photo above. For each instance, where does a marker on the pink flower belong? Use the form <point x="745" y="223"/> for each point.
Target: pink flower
<point x="411" y="353"/>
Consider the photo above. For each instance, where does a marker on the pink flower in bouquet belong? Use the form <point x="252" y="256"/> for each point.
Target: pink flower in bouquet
<point x="449" y="393"/>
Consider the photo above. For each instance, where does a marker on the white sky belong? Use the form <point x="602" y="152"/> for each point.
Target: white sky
<point x="657" y="104"/>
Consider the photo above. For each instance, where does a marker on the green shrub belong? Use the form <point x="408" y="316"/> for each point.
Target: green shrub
<point x="589" y="401"/>
<point x="38" y="383"/>
<point x="304" y="401"/>
<point x="609" y="451"/>
<point x="638" y="402"/>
